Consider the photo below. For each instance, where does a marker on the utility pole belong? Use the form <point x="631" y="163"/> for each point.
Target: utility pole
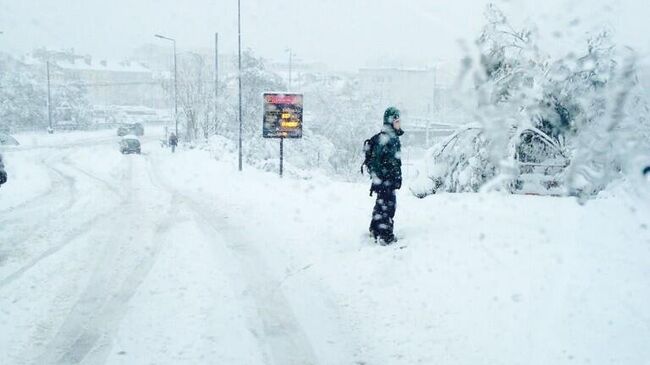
<point x="175" y="92"/>
<point x="216" y="83"/>
<point x="282" y="138"/>
<point x="290" y="66"/>
<point x="433" y="106"/>
<point x="49" y="99"/>
<point x="239" y="76"/>
<point x="175" y="81"/>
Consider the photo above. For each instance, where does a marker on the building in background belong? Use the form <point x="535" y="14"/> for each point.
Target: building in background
<point x="108" y="82"/>
<point x="116" y="91"/>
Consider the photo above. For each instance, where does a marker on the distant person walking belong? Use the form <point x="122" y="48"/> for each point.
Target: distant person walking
<point x="173" y="142"/>
<point x="384" y="165"/>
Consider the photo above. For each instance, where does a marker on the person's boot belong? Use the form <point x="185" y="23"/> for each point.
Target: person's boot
<point x="385" y="241"/>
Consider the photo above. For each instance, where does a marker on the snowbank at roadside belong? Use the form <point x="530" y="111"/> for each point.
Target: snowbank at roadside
<point x="27" y="178"/>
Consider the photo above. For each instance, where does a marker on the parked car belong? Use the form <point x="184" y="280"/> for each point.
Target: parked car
<point x="130" y="144"/>
<point x="462" y="163"/>
<point x="3" y="173"/>
<point x="130" y="128"/>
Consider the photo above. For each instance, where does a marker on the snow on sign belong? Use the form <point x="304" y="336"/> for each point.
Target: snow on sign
<point x="282" y="115"/>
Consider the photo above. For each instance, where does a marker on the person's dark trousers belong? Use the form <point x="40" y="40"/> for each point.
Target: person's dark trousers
<point x="381" y="225"/>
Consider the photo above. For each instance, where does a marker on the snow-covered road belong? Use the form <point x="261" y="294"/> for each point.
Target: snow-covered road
<point x="109" y="263"/>
<point x="169" y="259"/>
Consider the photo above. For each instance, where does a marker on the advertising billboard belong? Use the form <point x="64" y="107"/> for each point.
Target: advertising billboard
<point x="282" y="115"/>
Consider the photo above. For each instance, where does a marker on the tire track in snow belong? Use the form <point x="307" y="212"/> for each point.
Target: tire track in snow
<point x="87" y="332"/>
<point x="29" y="216"/>
<point x="61" y="150"/>
<point x="59" y="182"/>
<point x="281" y="332"/>
<point x="50" y="229"/>
<point x="35" y="219"/>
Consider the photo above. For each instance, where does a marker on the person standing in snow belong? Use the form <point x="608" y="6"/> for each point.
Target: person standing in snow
<point x="173" y="141"/>
<point x="385" y="167"/>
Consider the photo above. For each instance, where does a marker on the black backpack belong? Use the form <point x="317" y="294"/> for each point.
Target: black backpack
<point x="369" y="151"/>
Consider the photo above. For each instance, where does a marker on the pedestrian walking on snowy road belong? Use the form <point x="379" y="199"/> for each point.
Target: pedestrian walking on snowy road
<point x="173" y="141"/>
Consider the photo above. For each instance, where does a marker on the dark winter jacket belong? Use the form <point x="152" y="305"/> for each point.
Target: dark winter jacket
<point x="386" y="165"/>
<point x="173" y="140"/>
<point x="3" y="173"/>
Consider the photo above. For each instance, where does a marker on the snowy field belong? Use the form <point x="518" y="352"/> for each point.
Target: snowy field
<point x="180" y="259"/>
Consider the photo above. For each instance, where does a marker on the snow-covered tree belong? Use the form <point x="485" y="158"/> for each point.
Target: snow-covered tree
<point x="195" y="96"/>
<point x="22" y="96"/>
<point x="589" y="103"/>
<point x="69" y="97"/>
<point x="346" y="118"/>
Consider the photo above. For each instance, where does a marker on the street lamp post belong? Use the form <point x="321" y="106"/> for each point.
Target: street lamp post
<point x="239" y="77"/>
<point x="50" y="129"/>
<point x="290" y="65"/>
<point x="175" y="81"/>
<point x="282" y="138"/>
<point x="216" y="83"/>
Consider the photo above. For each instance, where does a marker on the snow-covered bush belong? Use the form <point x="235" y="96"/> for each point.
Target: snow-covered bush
<point x="460" y="163"/>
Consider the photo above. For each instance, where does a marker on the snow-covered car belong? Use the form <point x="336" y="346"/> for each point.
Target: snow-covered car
<point x="3" y="173"/>
<point x="462" y="163"/>
<point x="130" y="144"/>
<point x="130" y="128"/>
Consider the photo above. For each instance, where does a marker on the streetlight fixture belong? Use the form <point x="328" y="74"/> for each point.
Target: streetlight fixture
<point x="175" y="80"/>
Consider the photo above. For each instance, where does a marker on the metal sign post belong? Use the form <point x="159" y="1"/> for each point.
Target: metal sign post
<point x="282" y="118"/>
<point x="281" y="154"/>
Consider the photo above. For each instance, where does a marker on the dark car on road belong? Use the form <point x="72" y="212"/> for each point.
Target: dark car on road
<point x="130" y="144"/>
<point x="130" y="128"/>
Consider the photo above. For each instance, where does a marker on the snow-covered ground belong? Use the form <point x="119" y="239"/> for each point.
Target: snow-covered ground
<point x="179" y="258"/>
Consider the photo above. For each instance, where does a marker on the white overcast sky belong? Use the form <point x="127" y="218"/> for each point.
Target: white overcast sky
<point x="341" y="33"/>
